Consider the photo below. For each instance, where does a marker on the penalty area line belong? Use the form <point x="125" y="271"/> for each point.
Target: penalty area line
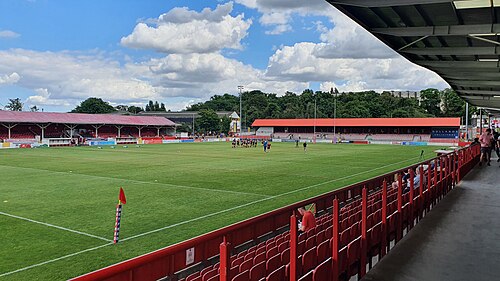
<point x="56" y="226"/>
<point x="54" y="260"/>
<point x="205" y="216"/>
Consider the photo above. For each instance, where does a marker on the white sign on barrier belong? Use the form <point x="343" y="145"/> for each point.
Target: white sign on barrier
<point x="189" y="256"/>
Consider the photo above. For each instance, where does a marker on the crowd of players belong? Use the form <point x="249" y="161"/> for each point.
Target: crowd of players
<point x="245" y="143"/>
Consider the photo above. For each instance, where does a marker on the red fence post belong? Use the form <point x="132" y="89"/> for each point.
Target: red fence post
<point x="383" y="245"/>
<point x="293" y="247"/>
<point x="435" y="185"/>
<point x="429" y="185"/>
<point x="410" y="203"/>
<point x="421" y="193"/>
<point x="364" y="216"/>
<point x="335" y="240"/>
<point x="399" y="230"/>
<point x="225" y="262"/>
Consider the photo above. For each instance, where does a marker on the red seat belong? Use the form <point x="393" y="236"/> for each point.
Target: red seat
<point x="344" y="238"/>
<point x="273" y="263"/>
<point x="301" y="247"/>
<point x="323" y="250"/>
<point x="214" y="278"/>
<point x="307" y="277"/>
<point x="242" y="254"/>
<point x="271" y="252"/>
<point x="258" y="271"/>
<point x="343" y="262"/>
<point x="249" y="256"/>
<point x="246" y="265"/>
<point x="209" y="274"/>
<point x="277" y="275"/>
<point x="193" y="276"/>
<point x="243" y="276"/>
<point x="323" y="271"/>
<point x="259" y="258"/>
<point x="309" y="260"/>
<point x="285" y="256"/>
<point x="283" y="246"/>
<point x="310" y="242"/>
<point x="237" y="261"/>
<point x="320" y="237"/>
<point x="353" y="256"/>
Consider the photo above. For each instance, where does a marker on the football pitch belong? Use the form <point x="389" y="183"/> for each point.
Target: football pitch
<point x="57" y="205"/>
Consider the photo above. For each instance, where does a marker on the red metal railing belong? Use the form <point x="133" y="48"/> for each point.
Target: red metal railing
<point x="166" y="262"/>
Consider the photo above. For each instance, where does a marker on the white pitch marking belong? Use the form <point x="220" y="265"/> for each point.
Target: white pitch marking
<point x="54" y="260"/>
<point x="199" y="218"/>
<point x="144" y="182"/>
<point x="56" y="226"/>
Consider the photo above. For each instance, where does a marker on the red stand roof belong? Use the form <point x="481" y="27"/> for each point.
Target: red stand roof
<point x="359" y="122"/>
<point x="79" y="118"/>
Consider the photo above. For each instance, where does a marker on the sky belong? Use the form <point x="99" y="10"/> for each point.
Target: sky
<point x="56" y="53"/>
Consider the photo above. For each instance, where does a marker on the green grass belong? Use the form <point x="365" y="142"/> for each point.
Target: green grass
<point x="77" y="188"/>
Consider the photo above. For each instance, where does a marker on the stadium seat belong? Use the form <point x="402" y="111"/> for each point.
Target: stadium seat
<point x="285" y="256"/>
<point x="259" y="258"/>
<point x="258" y="271"/>
<point x="243" y="276"/>
<point x="309" y="260"/>
<point x="273" y="263"/>
<point x="237" y="261"/>
<point x="323" y="271"/>
<point x="246" y="265"/>
<point x="193" y="276"/>
<point x="323" y="250"/>
<point x="214" y="278"/>
<point x="353" y="256"/>
<point x="271" y="252"/>
<point x="277" y="275"/>
<point x="307" y="277"/>
<point x="283" y="246"/>
<point x="310" y="242"/>
<point x="209" y="274"/>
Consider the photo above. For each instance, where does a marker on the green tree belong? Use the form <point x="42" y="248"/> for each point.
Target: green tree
<point x="34" y="108"/>
<point x="453" y="105"/>
<point x="225" y="122"/>
<point x="15" y="105"/>
<point x="431" y="101"/>
<point x="208" y="121"/>
<point x="162" y="107"/>
<point x="93" y="106"/>
<point x="134" y="109"/>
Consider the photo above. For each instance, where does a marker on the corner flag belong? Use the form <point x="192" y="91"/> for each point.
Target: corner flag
<point x="121" y="199"/>
<point x="121" y="196"/>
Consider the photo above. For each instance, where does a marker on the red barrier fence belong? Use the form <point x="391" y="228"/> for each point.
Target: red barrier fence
<point x="372" y="215"/>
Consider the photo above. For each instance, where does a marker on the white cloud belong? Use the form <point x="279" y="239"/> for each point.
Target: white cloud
<point x="184" y="31"/>
<point x="8" y="34"/>
<point x="298" y="63"/>
<point x="279" y="29"/>
<point x="42" y="98"/>
<point x="73" y="76"/>
<point x="9" y="79"/>
<point x="64" y="79"/>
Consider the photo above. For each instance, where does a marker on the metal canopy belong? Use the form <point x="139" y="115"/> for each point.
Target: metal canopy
<point x="459" y="40"/>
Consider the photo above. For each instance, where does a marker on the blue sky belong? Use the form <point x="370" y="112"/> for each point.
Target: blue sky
<point x="56" y="53"/>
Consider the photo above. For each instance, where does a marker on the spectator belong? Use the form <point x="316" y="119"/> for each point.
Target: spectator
<point x="308" y="220"/>
<point x="485" y="141"/>
<point x="416" y="181"/>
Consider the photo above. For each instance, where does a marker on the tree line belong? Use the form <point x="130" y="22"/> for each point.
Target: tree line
<point x="308" y="104"/>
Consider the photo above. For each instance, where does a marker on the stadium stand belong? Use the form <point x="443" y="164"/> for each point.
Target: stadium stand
<point x="361" y="129"/>
<point x="28" y="126"/>
<point x="356" y="226"/>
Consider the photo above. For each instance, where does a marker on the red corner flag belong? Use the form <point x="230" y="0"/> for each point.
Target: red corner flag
<point x="122" y="197"/>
